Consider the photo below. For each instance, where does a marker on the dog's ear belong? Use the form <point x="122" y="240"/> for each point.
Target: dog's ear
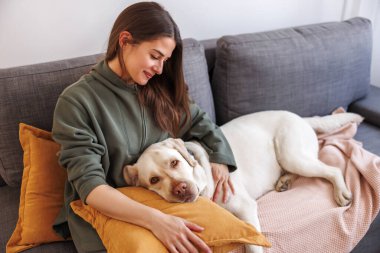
<point x="131" y="175"/>
<point x="179" y="145"/>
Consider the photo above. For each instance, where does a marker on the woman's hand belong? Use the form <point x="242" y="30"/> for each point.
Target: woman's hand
<point x="177" y="235"/>
<point x="221" y="177"/>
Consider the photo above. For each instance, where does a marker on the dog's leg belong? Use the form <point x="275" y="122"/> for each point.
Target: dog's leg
<point x="250" y="215"/>
<point x="253" y="249"/>
<point x="311" y="167"/>
<point x="315" y="168"/>
<point x="297" y="152"/>
<point x="245" y="208"/>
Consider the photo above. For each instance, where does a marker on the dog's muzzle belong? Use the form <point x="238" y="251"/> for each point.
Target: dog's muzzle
<point x="185" y="192"/>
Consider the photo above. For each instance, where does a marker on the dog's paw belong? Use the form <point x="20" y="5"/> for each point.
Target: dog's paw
<point x="284" y="182"/>
<point x="343" y="198"/>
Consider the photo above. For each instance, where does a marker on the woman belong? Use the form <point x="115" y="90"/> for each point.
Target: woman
<point x="133" y="98"/>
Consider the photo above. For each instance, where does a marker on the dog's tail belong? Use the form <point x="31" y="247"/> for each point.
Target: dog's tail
<point x="330" y="122"/>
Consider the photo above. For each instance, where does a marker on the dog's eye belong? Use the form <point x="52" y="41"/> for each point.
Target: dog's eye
<point x="174" y="163"/>
<point x="154" y="180"/>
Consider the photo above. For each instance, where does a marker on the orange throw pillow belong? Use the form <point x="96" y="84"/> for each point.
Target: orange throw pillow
<point x="223" y="231"/>
<point x="42" y="189"/>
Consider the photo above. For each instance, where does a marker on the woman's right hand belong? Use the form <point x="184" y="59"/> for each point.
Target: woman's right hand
<point x="177" y="235"/>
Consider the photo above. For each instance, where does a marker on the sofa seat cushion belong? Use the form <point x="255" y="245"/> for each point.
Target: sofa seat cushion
<point x="56" y="247"/>
<point x="369" y="135"/>
<point x="369" y="106"/>
<point x="9" y="199"/>
<point x="370" y="242"/>
<point x="310" y="70"/>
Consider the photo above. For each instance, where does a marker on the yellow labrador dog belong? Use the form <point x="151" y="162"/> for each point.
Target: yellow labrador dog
<point x="270" y="149"/>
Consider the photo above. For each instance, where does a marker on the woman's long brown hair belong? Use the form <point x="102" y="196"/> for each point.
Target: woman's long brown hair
<point x="166" y="95"/>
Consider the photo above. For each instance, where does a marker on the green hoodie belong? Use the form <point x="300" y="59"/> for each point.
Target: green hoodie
<point x="101" y="127"/>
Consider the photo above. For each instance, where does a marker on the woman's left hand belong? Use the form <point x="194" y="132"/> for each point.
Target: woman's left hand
<point x="221" y="177"/>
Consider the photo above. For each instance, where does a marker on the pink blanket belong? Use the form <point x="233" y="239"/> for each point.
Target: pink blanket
<point x="306" y="217"/>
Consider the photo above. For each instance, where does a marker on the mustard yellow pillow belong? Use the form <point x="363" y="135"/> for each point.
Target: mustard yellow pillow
<point x="42" y="188"/>
<point x="223" y="231"/>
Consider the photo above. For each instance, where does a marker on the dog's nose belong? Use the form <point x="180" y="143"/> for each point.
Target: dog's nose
<point x="180" y="189"/>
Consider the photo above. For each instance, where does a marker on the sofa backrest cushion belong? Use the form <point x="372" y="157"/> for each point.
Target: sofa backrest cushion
<point x="196" y="75"/>
<point x="309" y="70"/>
<point x="28" y="94"/>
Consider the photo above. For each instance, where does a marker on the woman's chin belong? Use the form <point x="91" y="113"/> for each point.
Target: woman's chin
<point x="142" y="82"/>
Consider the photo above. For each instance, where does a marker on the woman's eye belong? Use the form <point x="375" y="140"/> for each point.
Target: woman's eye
<point x="174" y="163"/>
<point x="154" y="180"/>
<point x="153" y="57"/>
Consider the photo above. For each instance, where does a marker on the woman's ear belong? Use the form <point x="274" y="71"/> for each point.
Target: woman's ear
<point x="125" y="37"/>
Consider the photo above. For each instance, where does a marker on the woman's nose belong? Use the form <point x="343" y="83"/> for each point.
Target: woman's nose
<point x="157" y="68"/>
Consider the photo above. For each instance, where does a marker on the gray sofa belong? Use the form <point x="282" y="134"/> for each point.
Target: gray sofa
<point x="308" y="70"/>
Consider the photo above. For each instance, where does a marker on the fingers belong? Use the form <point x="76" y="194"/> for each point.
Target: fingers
<point x="181" y="246"/>
<point x="225" y="189"/>
<point x="189" y="242"/>
<point x="193" y="227"/>
<point x="232" y="188"/>
<point x="185" y="245"/>
<point x="217" y="190"/>
<point x="222" y="179"/>
<point x="199" y="243"/>
<point x="172" y="249"/>
<point x="227" y="186"/>
<point x="178" y="235"/>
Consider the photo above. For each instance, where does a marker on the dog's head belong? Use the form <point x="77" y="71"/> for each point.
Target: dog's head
<point x="168" y="169"/>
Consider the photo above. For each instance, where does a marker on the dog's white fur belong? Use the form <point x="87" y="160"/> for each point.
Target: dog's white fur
<point x="270" y="149"/>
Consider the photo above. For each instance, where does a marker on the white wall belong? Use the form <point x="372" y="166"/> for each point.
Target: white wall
<point x="374" y="13"/>
<point x="45" y="30"/>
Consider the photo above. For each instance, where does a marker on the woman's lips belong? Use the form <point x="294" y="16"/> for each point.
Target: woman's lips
<point x="148" y="75"/>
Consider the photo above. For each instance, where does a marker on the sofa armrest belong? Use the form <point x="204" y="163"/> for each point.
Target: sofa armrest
<point x="369" y="106"/>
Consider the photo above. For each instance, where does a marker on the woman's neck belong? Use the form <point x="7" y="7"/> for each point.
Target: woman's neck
<point x="115" y="66"/>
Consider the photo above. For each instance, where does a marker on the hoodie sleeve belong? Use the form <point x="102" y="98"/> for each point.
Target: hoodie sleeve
<point x="210" y="136"/>
<point x="80" y="152"/>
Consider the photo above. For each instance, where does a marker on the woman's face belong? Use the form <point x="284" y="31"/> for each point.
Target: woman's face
<point x="144" y="60"/>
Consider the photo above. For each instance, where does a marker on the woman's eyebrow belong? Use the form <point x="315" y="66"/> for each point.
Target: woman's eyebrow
<point x="162" y="54"/>
<point x="158" y="51"/>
